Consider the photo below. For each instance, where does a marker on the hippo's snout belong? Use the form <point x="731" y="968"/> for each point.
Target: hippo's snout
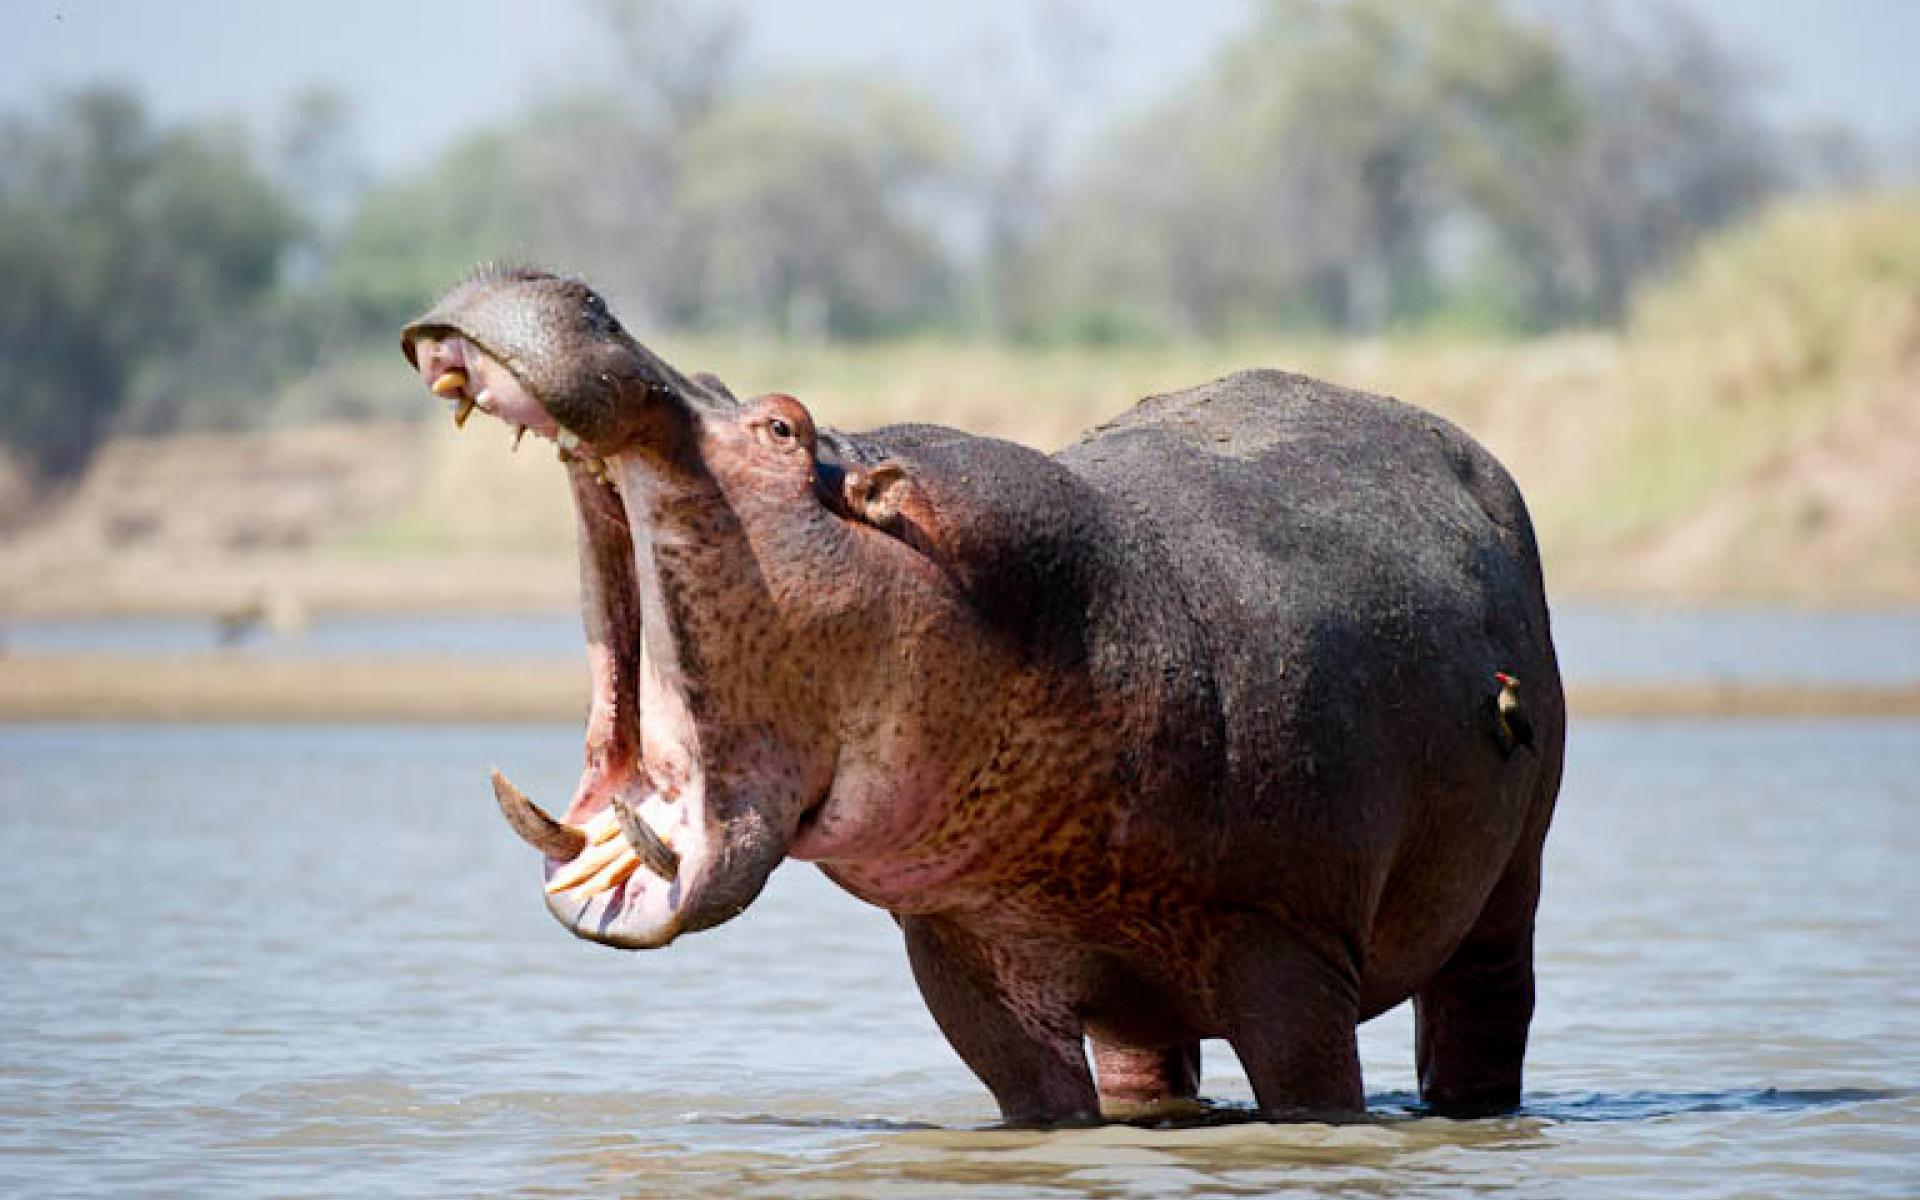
<point x="543" y="353"/>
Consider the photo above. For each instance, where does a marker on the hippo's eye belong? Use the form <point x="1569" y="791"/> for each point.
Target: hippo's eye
<point x="776" y="430"/>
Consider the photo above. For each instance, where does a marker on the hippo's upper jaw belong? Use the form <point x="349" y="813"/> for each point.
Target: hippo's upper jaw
<point x="542" y="352"/>
<point x="646" y="850"/>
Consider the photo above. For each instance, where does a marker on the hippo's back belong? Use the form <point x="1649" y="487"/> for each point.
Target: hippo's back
<point x="1306" y="500"/>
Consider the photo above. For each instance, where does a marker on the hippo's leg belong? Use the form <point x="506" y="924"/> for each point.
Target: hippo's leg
<point x="1025" y="1049"/>
<point x="1293" y="1017"/>
<point x="1471" y="1018"/>
<point x="1136" y="1077"/>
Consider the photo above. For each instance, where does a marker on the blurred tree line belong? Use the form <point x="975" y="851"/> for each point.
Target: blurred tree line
<point x="1348" y="166"/>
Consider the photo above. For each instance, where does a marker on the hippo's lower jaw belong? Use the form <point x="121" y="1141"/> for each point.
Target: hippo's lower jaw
<point x="623" y="884"/>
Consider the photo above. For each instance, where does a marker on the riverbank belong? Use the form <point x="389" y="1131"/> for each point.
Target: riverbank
<point x="244" y="688"/>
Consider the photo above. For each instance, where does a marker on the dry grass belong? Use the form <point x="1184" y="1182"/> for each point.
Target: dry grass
<point x="237" y="688"/>
<point x="1752" y="434"/>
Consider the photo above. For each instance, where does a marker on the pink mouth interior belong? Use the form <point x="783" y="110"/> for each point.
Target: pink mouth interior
<point x="641" y="909"/>
<point x="493" y="389"/>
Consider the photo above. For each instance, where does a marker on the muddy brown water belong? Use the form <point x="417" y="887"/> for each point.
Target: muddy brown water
<point x="308" y="961"/>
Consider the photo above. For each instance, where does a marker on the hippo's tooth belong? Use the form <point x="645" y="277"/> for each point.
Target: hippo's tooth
<point x="656" y="854"/>
<point x="603" y="826"/>
<point x="450" y="383"/>
<point x="610" y="876"/>
<point x="519" y="431"/>
<point x="568" y="440"/>
<point x="536" y="828"/>
<point x="586" y="866"/>
<point x="462" y="409"/>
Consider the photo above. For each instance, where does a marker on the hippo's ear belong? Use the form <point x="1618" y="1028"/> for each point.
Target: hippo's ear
<point x="876" y="494"/>
<point x="884" y="496"/>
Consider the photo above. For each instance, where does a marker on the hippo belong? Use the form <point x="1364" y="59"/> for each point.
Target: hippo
<point x="1239" y="718"/>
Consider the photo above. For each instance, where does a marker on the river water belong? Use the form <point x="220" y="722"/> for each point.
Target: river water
<point x="309" y="961"/>
<point x="1597" y="643"/>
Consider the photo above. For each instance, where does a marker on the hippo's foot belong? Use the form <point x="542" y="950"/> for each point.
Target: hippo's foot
<point x="1470" y="1020"/>
<point x="1294" y="1017"/>
<point x="1148" y="1084"/>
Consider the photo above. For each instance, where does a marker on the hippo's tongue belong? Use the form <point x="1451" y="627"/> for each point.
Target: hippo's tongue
<point x="632" y="844"/>
<point x="624" y="884"/>
<point x="610" y="613"/>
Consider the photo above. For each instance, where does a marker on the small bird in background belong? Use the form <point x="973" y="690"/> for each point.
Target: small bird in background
<point x="270" y="610"/>
<point x="1510" y="715"/>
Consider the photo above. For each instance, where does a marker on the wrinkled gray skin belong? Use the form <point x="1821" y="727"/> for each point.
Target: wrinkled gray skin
<point x="1188" y="731"/>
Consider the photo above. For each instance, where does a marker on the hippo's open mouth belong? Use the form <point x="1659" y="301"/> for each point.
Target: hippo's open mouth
<point x="626" y="861"/>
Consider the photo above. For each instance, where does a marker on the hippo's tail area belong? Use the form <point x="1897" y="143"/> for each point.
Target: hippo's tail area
<point x="1529" y="713"/>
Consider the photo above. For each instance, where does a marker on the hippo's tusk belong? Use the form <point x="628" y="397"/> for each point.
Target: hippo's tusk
<point x="536" y="828"/>
<point x="655" y="854"/>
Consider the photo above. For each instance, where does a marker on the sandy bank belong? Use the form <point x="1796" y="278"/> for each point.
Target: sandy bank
<point x="238" y="688"/>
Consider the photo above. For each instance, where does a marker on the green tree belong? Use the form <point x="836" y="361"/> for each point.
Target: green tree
<point x="796" y="212"/>
<point x="1672" y="145"/>
<point x="798" y="208"/>
<point x="578" y="186"/>
<point x="1353" y="164"/>
<point x="120" y="243"/>
<point x="1308" y="175"/>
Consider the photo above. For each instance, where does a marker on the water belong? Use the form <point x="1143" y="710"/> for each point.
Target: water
<point x="1597" y="644"/>
<point x="309" y="962"/>
<point x="1662" y="645"/>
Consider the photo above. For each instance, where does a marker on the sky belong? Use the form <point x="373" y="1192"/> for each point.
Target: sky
<point x="422" y="73"/>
